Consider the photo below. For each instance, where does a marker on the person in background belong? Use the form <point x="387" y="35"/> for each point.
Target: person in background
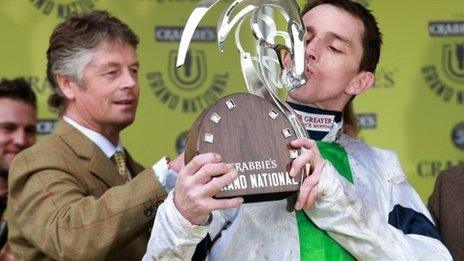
<point x="446" y="204"/>
<point x="18" y="118"/>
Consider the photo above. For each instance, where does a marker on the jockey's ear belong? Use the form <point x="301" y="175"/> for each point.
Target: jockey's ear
<point x="363" y="81"/>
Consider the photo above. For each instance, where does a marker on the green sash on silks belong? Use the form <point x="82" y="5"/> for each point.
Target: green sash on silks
<point x="316" y="244"/>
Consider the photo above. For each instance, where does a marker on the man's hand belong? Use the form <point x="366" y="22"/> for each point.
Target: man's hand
<point x="178" y="163"/>
<point x="309" y="188"/>
<point x="5" y="253"/>
<point x="197" y="182"/>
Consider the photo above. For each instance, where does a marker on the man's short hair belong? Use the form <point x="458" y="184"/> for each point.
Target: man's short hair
<point x="72" y="46"/>
<point x="372" y="38"/>
<point x="18" y="89"/>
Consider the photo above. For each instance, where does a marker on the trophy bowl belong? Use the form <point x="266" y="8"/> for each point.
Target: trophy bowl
<point x="253" y="135"/>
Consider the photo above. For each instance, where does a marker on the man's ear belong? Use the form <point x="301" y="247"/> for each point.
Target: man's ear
<point x="67" y="86"/>
<point x="361" y="83"/>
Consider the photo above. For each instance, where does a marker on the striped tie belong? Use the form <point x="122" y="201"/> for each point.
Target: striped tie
<point x="120" y="159"/>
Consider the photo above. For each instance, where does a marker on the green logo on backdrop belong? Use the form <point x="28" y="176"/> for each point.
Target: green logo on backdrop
<point x="194" y="86"/>
<point x="192" y="74"/>
<point x="451" y="69"/>
<point x="445" y="78"/>
<point x="188" y="89"/>
<point x="453" y="62"/>
<point x="63" y="8"/>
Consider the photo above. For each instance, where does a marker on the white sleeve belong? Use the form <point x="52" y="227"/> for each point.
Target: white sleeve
<point x="359" y="227"/>
<point x="172" y="236"/>
<point x="166" y="177"/>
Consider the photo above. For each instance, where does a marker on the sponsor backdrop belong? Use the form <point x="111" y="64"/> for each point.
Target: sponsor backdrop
<point x="415" y="108"/>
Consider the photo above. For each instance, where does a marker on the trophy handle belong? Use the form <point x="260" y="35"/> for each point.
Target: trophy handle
<point x="194" y="19"/>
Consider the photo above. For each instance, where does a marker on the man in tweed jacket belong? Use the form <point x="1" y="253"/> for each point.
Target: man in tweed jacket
<point x="447" y="208"/>
<point x="69" y="200"/>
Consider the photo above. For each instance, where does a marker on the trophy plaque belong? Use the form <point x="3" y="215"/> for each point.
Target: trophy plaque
<point x="253" y="130"/>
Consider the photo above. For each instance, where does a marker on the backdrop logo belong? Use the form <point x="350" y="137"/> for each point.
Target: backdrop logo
<point x="192" y="74"/>
<point x="453" y="62"/>
<point x="181" y="141"/>
<point x="367" y="120"/>
<point x="188" y="89"/>
<point x="443" y="29"/>
<point x="457" y="136"/>
<point x="452" y="69"/>
<point x="431" y="167"/>
<point x="45" y="126"/>
<point x="63" y="8"/>
<point x="385" y="78"/>
<point x="174" y="34"/>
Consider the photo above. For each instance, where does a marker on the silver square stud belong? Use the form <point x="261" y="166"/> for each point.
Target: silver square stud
<point x="215" y="118"/>
<point x="287" y="133"/>
<point x="293" y="154"/>
<point x="273" y="114"/>
<point x="209" y="138"/>
<point x="230" y="104"/>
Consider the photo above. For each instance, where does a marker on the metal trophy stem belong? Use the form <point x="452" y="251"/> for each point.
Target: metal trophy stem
<point x="257" y="68"/>
<point x="264" y="70"/>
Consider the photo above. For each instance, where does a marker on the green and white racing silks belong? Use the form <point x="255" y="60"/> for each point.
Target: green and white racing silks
<point x="355" y="216"/>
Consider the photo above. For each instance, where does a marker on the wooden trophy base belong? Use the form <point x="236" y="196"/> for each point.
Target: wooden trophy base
<point x="253" y="135"/>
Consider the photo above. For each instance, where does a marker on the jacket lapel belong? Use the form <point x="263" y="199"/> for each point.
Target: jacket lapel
<point x="99" y="164"/>
<point x="104" y="168"/>
<point x="134" y="167"/>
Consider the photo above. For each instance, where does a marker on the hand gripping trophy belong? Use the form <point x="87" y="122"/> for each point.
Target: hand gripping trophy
<point x="252" y="130"/>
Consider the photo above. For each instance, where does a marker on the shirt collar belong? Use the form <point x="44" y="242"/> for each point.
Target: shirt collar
<point x="103" y="143"/>
<point x="325" y="125"/>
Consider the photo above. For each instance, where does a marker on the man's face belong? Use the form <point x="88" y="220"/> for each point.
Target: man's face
<point x="106" y="98"/>
<point x="333" y="53"/>
<point x="17" y="129"/>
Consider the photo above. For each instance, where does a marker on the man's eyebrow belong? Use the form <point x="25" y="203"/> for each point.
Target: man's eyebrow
<point x="115" y="64"/>
<point x="109" y="64"/>
<point x="339" y="37"/>
<point x="334" y="35"/>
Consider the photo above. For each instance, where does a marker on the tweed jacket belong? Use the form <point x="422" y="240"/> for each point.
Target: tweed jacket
<point x="446" y="205"/>
<point x="68" y="202"/>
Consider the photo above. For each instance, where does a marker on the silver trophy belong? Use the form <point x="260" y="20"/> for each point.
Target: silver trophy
<point x="264" y="70"/>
